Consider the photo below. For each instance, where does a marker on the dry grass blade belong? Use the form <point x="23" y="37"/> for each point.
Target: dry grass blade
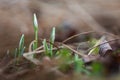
<point x="103" y="43"/>
<point x="82" y="55"/>
<point x="107" y="33"/>
<point x="110" y="34"/>
<point x="29" y="57"/>
<point x="77" y="36"/>
<point x="97" y="43"/>
<point x="55" y="44"/>
<point x="30" y="46"/>
<point x="39" y="48"/>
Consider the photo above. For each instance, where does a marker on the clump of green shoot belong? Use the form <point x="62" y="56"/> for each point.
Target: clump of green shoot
<point x="65" y="59"/>
<point x="20" y="50"/>
<point x="49" y="48"/>
<point x="35" y="24"/>
<point x="79" y="65"/>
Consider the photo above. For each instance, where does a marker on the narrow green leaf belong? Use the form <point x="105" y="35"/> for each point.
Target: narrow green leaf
<point x="21" y="45"/>
<point x="22" y="50"/>
<point x="35" y="24"/>
<point x="52" y="39"/>
<point x="34" y="46"/>
<point x="46" y="47"/>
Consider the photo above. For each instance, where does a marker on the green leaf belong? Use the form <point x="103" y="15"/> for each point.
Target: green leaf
<point x="46" y="47"/>
<point x="52" y="39"/>
<point x="35" y="23"/>
<point x="34" y="46"/>
<point x="78" y="64"/>
<point x="21" y="45"/>
<point x="97" y="69"/>
<point x="65" y="59"/>
<point x="64" y="55"/>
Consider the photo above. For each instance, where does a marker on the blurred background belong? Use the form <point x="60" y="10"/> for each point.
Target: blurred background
<point x="68" y="16"/>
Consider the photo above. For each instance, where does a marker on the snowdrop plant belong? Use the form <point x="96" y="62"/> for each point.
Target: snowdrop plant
<point x="35" y="24"/>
